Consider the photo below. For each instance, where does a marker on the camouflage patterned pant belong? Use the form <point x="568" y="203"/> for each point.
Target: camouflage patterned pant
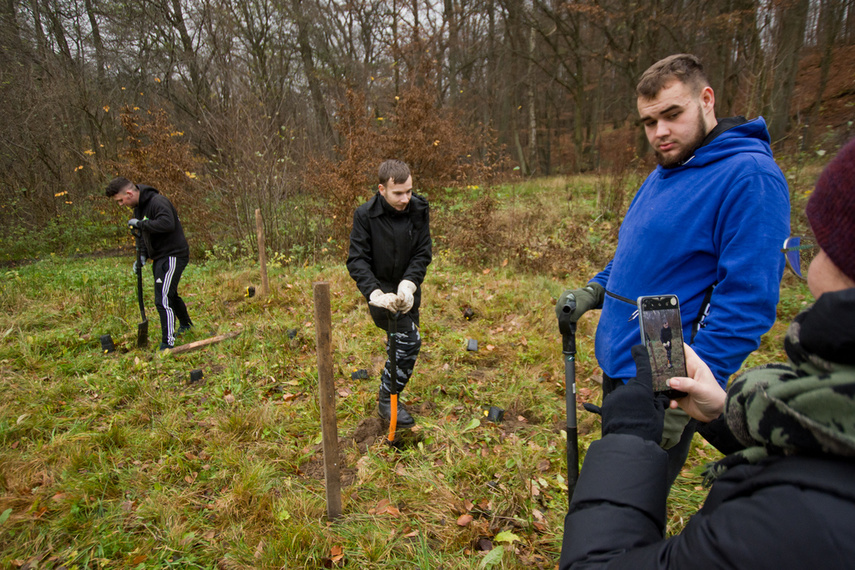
<point x="409" y="342"/>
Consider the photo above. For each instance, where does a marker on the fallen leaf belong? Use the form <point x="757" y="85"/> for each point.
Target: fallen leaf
<point x="505" y="262"/>
<point x="493" y="558"/>
<point x="380" y="506"/>
<point x="486" y="271"/>
<point x="259" y="550"/>
<point x="391" y="510"/>
<point x="490" y="347"/>
<point x="139" y="559"/>
<point x="507" y="536"/>
<point x="229" y="399"/>
<point x="468" y="504"/>
<point x="464" y="520"/>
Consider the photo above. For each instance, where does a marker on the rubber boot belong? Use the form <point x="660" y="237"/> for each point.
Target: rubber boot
<point x="384" y="408"/>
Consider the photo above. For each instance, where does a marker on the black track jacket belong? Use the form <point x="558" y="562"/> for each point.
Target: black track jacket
<point x="162" y="234"/>
<point x="388" y="246"/>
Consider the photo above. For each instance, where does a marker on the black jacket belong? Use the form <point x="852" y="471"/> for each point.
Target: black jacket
<point x="785" y="512"/>
<point x="386" y="247"/>
<point x="162" y="234"/>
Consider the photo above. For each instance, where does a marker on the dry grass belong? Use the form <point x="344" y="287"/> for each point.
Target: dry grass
<point x="116" y="461"/>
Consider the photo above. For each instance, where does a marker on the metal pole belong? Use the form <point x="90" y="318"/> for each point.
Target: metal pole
<point x="568" y="337"/>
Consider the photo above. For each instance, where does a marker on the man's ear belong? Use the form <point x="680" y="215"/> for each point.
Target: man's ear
<point x="708" y="98"/>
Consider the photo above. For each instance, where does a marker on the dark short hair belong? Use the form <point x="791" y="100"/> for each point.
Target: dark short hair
<point x="683" y="67"/>
<point x="116" y="185"/>
<point x="397" y="170"/>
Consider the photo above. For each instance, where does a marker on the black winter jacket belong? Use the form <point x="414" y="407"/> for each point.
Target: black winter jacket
<point x="162" y="234"/>
<point x="386" y="247"/>
<point x="785" y="512"/>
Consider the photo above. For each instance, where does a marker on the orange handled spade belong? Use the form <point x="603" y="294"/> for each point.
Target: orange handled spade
<point x="393" y="360"/>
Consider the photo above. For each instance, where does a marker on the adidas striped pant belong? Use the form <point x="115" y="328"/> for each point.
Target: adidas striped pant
<point x="171" y="308"/>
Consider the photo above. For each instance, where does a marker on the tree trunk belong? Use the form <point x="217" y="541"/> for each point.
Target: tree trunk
<point x="790" y="38"/>
<point x="307" y="57"/>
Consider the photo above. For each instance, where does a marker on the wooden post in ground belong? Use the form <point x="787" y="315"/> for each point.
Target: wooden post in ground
<point x="262" y="252"/>
<point x="323" y="338"/>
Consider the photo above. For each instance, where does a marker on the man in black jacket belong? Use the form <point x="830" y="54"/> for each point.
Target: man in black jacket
<point x="390" y="249"/>
<point x="160" y="238"/>
<point x="784" y="496"/>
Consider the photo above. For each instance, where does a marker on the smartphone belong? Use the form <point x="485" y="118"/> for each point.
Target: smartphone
<point x="662" y="334"/>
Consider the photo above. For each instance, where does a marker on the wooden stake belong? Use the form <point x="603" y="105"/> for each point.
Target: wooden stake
<point x="200" y="343"/>
<point x="262" y="252"/>
<point x="323" y="338"/>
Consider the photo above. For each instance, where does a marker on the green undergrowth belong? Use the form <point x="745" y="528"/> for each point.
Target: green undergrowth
<point x="118" y="461"/>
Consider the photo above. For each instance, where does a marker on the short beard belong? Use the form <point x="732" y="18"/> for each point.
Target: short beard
<point x="693" y="145"/>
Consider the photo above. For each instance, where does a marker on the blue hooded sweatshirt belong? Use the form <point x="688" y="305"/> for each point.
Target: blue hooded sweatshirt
<point x="719" y="219"/>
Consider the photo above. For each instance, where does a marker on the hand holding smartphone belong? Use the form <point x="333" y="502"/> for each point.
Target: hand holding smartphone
<point x="662" y="334"/>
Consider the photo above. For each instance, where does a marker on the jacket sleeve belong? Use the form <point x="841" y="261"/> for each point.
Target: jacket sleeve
<point x="160" y="217"/>
<point x="359" y="256"/>
<point x="719" y="435"/>
<point x="616" y="508"/>
<point x="753" y="223"/>
<point x="617" y="517"/>
<point x="602" y="277"/>
<point x="422" y="252"/>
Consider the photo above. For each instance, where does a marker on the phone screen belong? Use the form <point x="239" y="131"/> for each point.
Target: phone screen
<point x="662" y="334"/>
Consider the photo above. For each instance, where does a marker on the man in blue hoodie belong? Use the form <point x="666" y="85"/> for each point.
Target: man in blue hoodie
<point x="707" y="225"/>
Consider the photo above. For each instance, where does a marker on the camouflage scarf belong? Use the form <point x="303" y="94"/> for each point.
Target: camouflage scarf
<point x="805" y="408"/>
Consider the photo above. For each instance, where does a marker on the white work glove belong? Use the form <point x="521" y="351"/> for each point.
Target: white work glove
<point x="139" y="264"/>
<point x="406" y="290"/>
<point x="388" y="301"/>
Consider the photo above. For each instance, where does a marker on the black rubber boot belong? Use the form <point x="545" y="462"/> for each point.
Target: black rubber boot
<point x="384" y="408"/>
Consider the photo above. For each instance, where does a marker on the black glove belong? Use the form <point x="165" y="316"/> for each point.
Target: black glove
<point x="135" y="223"/>
<point x="139" y="263"/>
<point x="588" y="297"/>
<point x="634" y="409"/>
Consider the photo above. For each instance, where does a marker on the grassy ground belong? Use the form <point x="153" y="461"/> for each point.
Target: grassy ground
<point x="117" y="461"/>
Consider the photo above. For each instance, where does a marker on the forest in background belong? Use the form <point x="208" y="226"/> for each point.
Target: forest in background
<point x="288" y="105"/>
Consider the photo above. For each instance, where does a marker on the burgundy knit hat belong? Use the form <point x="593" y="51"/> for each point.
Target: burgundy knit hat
<point x="831" y="210"/>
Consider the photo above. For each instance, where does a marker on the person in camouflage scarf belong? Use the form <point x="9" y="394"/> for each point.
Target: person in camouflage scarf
<point x="784" y="495"/>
